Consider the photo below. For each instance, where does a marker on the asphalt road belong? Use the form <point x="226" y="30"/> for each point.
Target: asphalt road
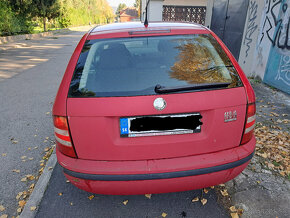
<point x="73" y="202"/>
<point x="30" y="73"/>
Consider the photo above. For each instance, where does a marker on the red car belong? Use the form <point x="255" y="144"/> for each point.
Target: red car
<point x="155" y="109"/>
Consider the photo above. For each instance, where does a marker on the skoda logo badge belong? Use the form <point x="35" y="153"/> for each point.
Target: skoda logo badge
<point x="159" y="104"/>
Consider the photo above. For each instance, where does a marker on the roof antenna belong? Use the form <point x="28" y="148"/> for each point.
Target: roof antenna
<point x="146" y="14"/>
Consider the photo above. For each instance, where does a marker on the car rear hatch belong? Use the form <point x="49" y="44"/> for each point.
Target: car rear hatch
<point x="112" y="109"/>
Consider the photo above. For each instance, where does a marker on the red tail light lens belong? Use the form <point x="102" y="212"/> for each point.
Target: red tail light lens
<point x="63" y="140"/>
<point x="250" y="123"/>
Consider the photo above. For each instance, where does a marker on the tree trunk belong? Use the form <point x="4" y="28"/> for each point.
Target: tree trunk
<point x="44" y="24"/>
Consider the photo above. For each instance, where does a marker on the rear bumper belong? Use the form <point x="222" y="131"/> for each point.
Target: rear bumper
<point x="157" y="176"/>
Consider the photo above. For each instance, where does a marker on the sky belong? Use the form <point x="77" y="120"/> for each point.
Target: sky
<point x="115" y="3"/>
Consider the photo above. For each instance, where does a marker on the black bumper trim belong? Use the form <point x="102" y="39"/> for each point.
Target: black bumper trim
<point x="153" y="176"/>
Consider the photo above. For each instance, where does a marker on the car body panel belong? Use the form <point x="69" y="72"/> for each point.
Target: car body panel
<point x="95" y="129"/>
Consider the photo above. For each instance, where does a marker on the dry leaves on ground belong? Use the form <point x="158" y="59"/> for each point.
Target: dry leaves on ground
<point x="274" y="146"/>
<point x="196" y="199"/>
<point x="125" y="202"/>
<point x="164" y="214"/>
<point x="91" y="197"/>
<point x="2" y="208"/>
<point x="203" y="201"/>
<point x="148" y="196"/>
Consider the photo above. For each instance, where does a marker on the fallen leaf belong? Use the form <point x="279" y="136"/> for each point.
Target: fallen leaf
<point x="14" y="142"/>
<point x="19" y="210"/>
<point x="125" y="202"/>
<point x="164" y="214"/>
<point x="19" y="195"/>
<point x="240" y="211"/>
<point x="31" y="186"/>
<point x="258" y="182"/>
<point x="49" y="168"/>
<point x="21" y="203"/>
<point x="212" y="187"/>
<point x="222" y="185"/>
<point x="60" y="194"/>
<point x="46" y="138"/>
<point x="2" y="208"/>
<point x="233" y="209"/>
<point x="47" y="113"/>
<point x="23" y="157"/>
<point x="203" y="201"/>
<point x="148" y="196"/>
<point x="195" y="199"/>
<point x="16" y="171"/>
<point x="234" y="215"/>
<point x="30" y="177"/>
<point x="205" y="190"/>
<point x="71" y="203"/>
<point x="31" y="158"/>
<point x="91" y="197"/>
<point x="24" y="179"/>
<point x="224" y="192"/>
<point x="4" y="216"/>
<point x="67" y="181"/>
<point x="29" y="149"/>
<point x="4" y="154"/>
<point x="33" y="208"/>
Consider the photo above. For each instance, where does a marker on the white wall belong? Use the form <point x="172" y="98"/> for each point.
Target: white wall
<point x="250" y="36"/>
<point x="208" y="16"/>
<point x="155" y="9"/>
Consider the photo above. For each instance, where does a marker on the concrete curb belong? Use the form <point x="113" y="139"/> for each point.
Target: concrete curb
<point x="40" y="187"/>
<point x="7" y="39"/>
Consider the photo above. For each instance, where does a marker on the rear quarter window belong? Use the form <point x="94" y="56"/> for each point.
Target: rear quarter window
<point x="134" y="66"/>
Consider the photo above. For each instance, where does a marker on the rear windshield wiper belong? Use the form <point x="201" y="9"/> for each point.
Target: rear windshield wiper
<point x="161" y="89"/>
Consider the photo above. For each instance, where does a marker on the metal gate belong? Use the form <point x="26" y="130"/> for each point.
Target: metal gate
<point x="228" y="21"/>
<point x="184" y="13"/>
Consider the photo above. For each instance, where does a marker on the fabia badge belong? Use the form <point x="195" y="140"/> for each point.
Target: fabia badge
<point x="230" y="116"/>
<point x="159" y="104"/>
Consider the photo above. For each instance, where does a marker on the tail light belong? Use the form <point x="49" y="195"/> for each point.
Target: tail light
<point x="62" y="136"/>
<point x="250" y="123"/>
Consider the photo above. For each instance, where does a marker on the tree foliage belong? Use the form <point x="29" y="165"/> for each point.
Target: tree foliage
<point x="121" y="6"/>
<point x="21" y="16"/>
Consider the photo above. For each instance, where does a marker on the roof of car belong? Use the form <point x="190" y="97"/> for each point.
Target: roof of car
<point x="138" y="25"/>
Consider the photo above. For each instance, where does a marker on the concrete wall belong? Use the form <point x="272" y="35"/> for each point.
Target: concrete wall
<point x="250" y="36"/>
<point x="186" y="2"/>
<point x="209" y="7"/>
<point x="272" y="55"/>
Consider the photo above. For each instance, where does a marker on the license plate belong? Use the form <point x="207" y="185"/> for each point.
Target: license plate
<point x="160" y="125"/>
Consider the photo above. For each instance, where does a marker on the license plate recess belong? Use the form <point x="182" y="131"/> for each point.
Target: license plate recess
<point x="157" y="125"/>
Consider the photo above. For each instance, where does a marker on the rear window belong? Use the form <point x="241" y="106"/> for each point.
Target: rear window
<point x="135" y="66"/>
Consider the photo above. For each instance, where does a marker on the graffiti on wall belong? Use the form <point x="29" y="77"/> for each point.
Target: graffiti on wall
<point x="251" y="26"/>
<point x="276" y="30"/>
<point x="284" y="70"/>
<point x="276" y="25"/>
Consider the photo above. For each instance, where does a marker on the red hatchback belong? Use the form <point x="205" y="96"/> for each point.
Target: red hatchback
<point x="154" y="109"/>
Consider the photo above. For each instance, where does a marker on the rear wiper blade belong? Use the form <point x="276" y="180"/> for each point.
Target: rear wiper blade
<point x="161" y="89"/>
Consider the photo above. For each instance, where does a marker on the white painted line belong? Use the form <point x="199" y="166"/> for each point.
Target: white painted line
<point x="40" y="187"/>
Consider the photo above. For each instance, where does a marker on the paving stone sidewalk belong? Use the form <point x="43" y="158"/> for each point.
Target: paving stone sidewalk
<point x="261" y="192"/>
